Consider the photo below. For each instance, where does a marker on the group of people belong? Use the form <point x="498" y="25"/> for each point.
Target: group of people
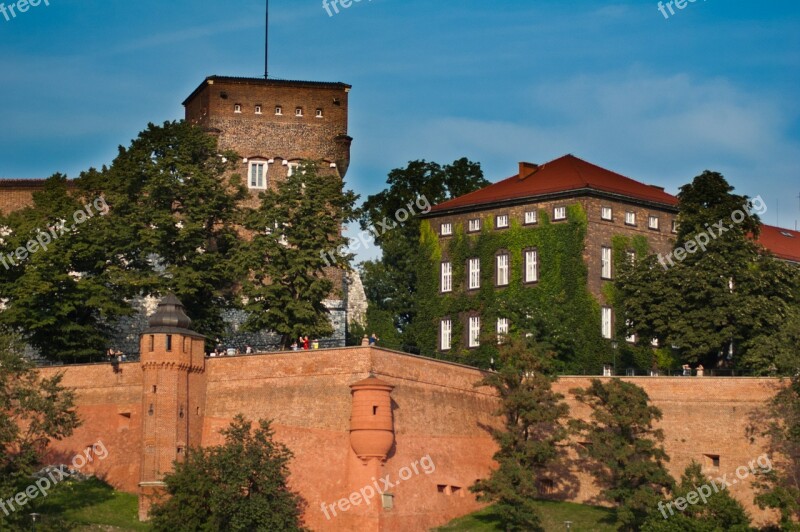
<point x="304" y="343"/>
<point x="230" y="351"/>
<point x="115" y="355"/>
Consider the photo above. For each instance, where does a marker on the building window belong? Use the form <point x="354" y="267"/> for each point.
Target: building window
<point x="258" y="175"/>
<point x="258" y="109"/>
<point x="531" y="217"/>
<point x="446" y="229"/>
<point x="445" y="334"/>
<point x="631" y="338"/>
<point x="447" y="277"/>
<point x="606" y="322"/>
<point x="674" y="226"/>
<point x="237" y="108"/>
<point x="631" y="256"/>
<point x="502" y="329"/>
<point x="279" y="110"/>
<point x="605" y="263"/>
<point x="652" y="222"/>
<point x="152" y="343"/>
<point x="292" y="168"/>
<point x="474" y="331"/>
<point x="560" y="213"/>
<point x="501" y="221"/>
<point x="474" y="225"/>
<point x="474" y="269"/>
<point x="502" y="269"/>
<point x="630" y="218"/>
<point x="712" y="461"/>
<point x="531" y="266"/>
<point x="298" y="111"/>
<point x="169" y="342"/>
<point x="606" y="213"/>
<point x="319" y="113"/>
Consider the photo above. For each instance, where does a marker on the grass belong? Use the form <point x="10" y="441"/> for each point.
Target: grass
<point x="553" y="513"/>
<point x="91" y="505"/>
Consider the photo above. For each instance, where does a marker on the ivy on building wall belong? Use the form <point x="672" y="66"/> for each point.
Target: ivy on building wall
<point x="558" y="309"/>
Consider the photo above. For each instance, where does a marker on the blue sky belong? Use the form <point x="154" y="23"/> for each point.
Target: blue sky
<point x="714" y="86"/>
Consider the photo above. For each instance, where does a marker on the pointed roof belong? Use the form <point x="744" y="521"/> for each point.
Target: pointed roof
<point x="563" y="175"/>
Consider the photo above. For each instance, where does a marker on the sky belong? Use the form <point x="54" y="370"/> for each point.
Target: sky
<point x="657" y="97"/>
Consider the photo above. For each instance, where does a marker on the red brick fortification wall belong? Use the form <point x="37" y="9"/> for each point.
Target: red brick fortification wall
<point x="703" y="417"/>
<point x="109" y="405"/>
<point x="437" y="414"/>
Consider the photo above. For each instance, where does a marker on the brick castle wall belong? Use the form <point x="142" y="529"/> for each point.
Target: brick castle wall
<point x="437" y="413"/>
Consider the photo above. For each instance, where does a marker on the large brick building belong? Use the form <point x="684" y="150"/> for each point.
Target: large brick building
<point x="615" y="209"/>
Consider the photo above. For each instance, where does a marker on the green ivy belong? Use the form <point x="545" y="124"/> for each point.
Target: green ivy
<point x="558" y="309"/>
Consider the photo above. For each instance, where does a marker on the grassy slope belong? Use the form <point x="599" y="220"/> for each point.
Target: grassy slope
<point x="584" y="518"/>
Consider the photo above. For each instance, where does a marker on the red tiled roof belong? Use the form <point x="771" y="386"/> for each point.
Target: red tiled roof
<point x="783" y="243"/>
<point x="561" y="175"/>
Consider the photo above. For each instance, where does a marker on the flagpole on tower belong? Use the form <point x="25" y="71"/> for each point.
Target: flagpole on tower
<point x="266" y="45"/>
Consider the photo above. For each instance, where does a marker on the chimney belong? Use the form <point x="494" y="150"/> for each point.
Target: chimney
<point x="527" y="169"/>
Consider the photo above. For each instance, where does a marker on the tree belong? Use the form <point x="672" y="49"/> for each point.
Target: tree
<point x="715" y="509"/>
<point x="293" y="249"/>
<point x="725" y="297"/>
<point x="238" y="486"/>
<point x="390" y="283"/>
<point x="165" y="224"/>
<point x="624" y="449"/>
<point x="529" y="443"/>
<point x="33" y="412"/>
<point x="779" y="488"/>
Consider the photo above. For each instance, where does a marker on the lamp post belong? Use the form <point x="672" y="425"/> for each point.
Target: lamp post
<point x="568" y="525"/>
<point x="34" y="517"/>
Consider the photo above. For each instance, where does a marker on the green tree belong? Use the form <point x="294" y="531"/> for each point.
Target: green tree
<point x="33" y="412"/>
<point x="391" y="282"/>
<point x="726" y="296"/>
<point x="293" y="252"/>
<point x="238" y="486"/>
<point x="529" y="442"/>
<point x="779" y="488"/>
<point x="626" y="452"/>
<point x="715" y="510"/>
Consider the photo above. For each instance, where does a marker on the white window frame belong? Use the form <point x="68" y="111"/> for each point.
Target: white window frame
<point x="502" y="263"/>
<point x="501" y="221"/>
<point x="258" y="110"/>
<point x="318" y="113"/>
<point x="531" y="217"/>
<point x="560" y="213"/>
<point x="605" y="262"/>
<point x="502" y="329"/>
<point x="298" y="111"/>
<point x="531" y="265"/>
<point x="474" y="273"/>
<point x="474" y="225"/>
<point x="674" y="226"/>
<point x="630" y="218"/>
<point x="237" y="108"/>
<point x="250" y="166"/>
<point x="631" y="256"/>
<point x="631" y="338"/>
<point x="445" y="334"/>
<point x="606" y="322"/>
<point x="606" y="213"/>
<point x="446" y="229"/>
<point x="652" y="222"/>
<point x="291" y="168"/>
<point x="446" y="277"/>
<point x="474" y="338"/>
<point x="278" y="110"/>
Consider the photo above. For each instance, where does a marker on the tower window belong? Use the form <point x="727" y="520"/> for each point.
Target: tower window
<point x="298" y="111"/>
<point x="152" y="343"/>
<point x="258" y="175"/>
<point x="169" y="342"/>
<point x="155" y="388"/>
<point x="237" y="108"/>
<point x="278" y="110"/>
<point x="319" y="113"/>
<point x="374" y="410"/>
<point x="258" y="109"/>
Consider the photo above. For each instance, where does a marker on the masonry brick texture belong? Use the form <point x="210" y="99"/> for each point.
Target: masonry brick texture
<point x="437" y="412"/>
<point x="16" y="194"/>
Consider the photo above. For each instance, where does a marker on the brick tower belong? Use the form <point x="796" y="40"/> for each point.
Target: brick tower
<point x="173" y="396"/>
